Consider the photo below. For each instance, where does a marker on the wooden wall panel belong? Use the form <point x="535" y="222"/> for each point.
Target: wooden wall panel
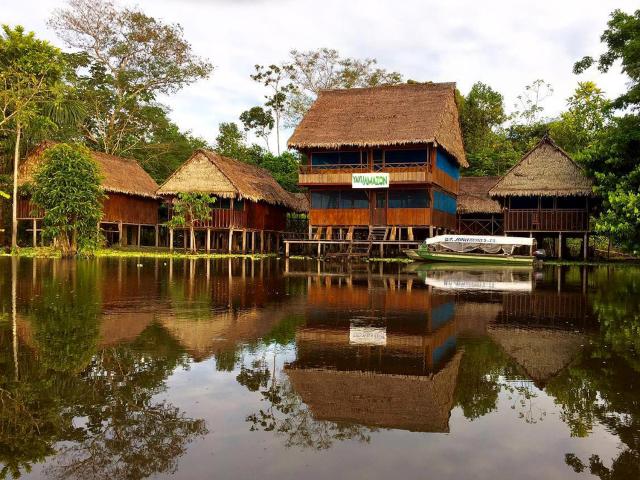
<point x="119" y="207"/>
<point x="409" y="216"/>
<point x="338" y="216"/>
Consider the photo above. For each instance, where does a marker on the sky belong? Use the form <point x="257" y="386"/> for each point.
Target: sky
<point x="505" y="44"/>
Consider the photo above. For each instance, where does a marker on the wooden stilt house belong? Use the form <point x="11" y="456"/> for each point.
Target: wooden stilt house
<point x="546" y="195"/>
<point x="381" y="159"/>
<point x="250" y="211"/>
<point x="477" y="212"/>
<point x="130" y="209"/>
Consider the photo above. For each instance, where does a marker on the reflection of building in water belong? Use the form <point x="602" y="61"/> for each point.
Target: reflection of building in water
<point x="542" y="353"/>
<point x="377" y="352"/>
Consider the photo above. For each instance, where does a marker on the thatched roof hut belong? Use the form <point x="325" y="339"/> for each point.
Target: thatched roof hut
<point x="546" y="170"/>
<point x="473" y="195"/>
<point x="542" y="353"/>
<point x="208" y="172"/>
<point x="390" y="115"/>
<point x="120" y="175"/>
<point x="407" y="402"/>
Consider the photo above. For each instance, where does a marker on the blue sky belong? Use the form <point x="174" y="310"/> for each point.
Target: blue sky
<point x="506" y="44"/>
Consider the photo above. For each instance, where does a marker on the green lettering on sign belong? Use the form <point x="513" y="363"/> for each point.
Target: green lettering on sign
<point x="370" y="180"/>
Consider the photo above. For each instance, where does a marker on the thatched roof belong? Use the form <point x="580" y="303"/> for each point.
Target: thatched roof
<point x="473" y="195"/>
<point x="208" y="172"/>
<point x="407" y="402"/>
<point x="542" y="353"/>
<point x="545" y="170"/>
<point x="302" y="200"/>
<point x="405" y="114"/>
<point x="120" y="175"/>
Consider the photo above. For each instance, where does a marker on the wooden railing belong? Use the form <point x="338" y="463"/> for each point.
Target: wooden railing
<point x="480" y="226"/>
<point x="361" y="168"/>
<point x="224" y="218"/>
<point x="546" y="220"/>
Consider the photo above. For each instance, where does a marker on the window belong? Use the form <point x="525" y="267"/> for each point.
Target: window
<point x="443" y="202"/>
<point x="408" y="199"/>
<point x="546" y="202"/>
<point x="447" y="164"/>
<point x="394" y="157"/>
<point x="524" y="203"/>
<point x="578" y="203"/>
<point x="224" y="203"/>
<point x="238" y="205"/>
<point x="339" y="199"/>
<point x="353" y="199"/>
<point x="336" y="159"/>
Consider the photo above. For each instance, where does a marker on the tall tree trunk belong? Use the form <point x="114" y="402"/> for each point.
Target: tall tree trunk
<point x="278" y="133"/>
<point x="16" y="164"/>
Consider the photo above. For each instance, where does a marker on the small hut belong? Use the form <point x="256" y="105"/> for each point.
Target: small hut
<point x="250" y="211"/>
<point x="477" y="212"/>
<point x="546" y="194"/>
<point x="130" y="211"/>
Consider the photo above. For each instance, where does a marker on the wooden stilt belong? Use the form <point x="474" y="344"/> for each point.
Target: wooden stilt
<point x="208" y="245"/>
<point x="139" y="234"/>
<point x="586" y="245"/>
<point x="230" y="244"/>
<point x="560" y="245"/>
<point x="253" y="242"/>
<point x="35" y="233"/>
<point x="286" y="249"/>
<point x="157" y="240"/>
<point x="244" y="241"/>
<point x="120" y="227"/>
<point x="319" y="249"/>
<point x="261" y="241"/>
<point x="171" y="239"/>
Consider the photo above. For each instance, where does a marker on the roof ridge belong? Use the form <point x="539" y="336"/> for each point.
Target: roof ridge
<point x="427" y="84"/>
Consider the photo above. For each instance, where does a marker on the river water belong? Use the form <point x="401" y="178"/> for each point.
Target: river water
<point x="271" y="369"/>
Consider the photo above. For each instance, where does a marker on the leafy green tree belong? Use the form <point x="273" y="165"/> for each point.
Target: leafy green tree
<point x="482" y="116"/>
<point x="587" y="115"/>
<point x="613" y="158"/>
<point x="67" y="186"/>
<point x="125" y="60"/>
<point x="30" y="75"/>
<point x="260" y="121"/>
<point x="284" y="168"/>
<point x="188" y="209"/>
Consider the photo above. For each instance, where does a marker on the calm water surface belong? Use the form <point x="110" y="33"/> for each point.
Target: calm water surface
<point x="271" y="369"/>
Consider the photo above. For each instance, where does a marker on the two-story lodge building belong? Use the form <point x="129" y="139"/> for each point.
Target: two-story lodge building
<point x="381" y="159"/>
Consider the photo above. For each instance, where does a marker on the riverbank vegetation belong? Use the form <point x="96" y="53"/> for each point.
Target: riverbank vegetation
<point x="103" y="91"/>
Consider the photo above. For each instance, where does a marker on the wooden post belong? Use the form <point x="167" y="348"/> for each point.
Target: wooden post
<point x="157" y="242"/>
<point x="430" y="231"/>
<point x="286" y="249"/>
<point x="208" y="244"/>
<point x="381" y="250"/>
<point x="139" y="233"/>
<point x="244" y="240"/>
<point x="120" y="233"/>
<point x="35" y="233"/>
<point x="230" y="245"/>
<point x="586" y="245"/>
<point x="560" y="246"/>
<point x="261" y="241"/>
<point x="319" y="249"/>
<point x="171" y="239"/>
<point x="253" y="242"/>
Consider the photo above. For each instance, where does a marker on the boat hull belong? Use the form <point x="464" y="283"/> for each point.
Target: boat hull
<point x="452" y="257"/>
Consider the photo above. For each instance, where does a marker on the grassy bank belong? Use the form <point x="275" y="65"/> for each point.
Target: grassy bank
<point x="49" y="252"/>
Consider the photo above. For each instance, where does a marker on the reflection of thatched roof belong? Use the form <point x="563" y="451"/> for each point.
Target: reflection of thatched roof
<point x="383" y="116"/>
<point x="542" y="353"/>
<point x="208" y="172"/>
<point x="547" y="171"/>
<point x="120" y="175"/>
<point x="407" y="402"/>
<point x="473" y="195"/>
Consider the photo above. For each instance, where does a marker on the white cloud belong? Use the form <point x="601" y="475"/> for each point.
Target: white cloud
<point x="506" y="44"/>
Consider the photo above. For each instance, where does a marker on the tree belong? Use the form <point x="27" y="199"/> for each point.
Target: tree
<point x="30" y="74"/>
<point x="125" y="60"/>
<point x="260" y="121"/>
<point x="482" y="115"/>
<point x="323" y="68"/>
<point x="189" y="209"/>
<point x="613" y="158"/>
<point x="530" y="102"/>
<point x="67" y="186"/>
<point x="587" y="114"/>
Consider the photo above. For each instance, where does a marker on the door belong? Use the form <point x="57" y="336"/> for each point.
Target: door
<point x="379" y="207"/>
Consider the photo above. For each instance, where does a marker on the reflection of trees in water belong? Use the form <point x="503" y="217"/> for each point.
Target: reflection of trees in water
<point x="486" y="371"/>
<point x="114" y="426"/>
<point x="285" y="413"/>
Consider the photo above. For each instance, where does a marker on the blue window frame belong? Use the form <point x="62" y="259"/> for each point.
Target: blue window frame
<point x="444" y="202"/>
<point x="447" y="164"/>
<point x="333" y="159"/>
<point x="394" y="157"/>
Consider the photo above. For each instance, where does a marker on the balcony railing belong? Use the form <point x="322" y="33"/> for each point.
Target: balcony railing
<point x="223" y="218"/>
<point x="546" y="220"/>
<point x="360" y="168"/>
